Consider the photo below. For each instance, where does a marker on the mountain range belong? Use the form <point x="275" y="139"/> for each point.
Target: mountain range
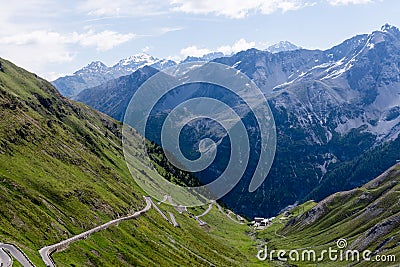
<point x="336" y="111"/>
<point x="97" y="73"/>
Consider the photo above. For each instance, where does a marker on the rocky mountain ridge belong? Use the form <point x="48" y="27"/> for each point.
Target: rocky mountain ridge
<point x="97" y="73"/>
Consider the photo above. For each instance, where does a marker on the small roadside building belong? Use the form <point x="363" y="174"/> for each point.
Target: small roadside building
<point x="261" y="223"/>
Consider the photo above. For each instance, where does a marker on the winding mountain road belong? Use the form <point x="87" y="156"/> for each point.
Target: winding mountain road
<point x="164" y="199"/>
<point x="159" y="211"/>
<point x="233" y="219"/>
<point x="173" y="221"/>
<point x="8" y="250"/>
<point x="48" y="250"/>
<point x="220" y="209"/>
<point x="206" y="211"/>
<point x="179" y="208"/>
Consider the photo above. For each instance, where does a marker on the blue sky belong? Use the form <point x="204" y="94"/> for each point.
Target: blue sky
<point x="53" y="38"/>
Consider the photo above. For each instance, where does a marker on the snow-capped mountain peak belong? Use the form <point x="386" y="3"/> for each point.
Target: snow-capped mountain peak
<point x="94" y="67"/>
<point x="97" y="73"/>
<point x="141" y="58"/>
<point x="282" y="46"/>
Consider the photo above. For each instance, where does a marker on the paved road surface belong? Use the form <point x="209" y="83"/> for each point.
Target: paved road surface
<point x="179" y="208"/>
<point x="164" y="199"/>
<point x="233" y="219"/>
<point x="5" y="259"/>
<point x="173" y="219"/>
<point x="221" y="210"/>
<point x="159" y="211"/>
<point x="16" y="253"/>
<point x="206" y="211"/>
<point x="202" y="223"/>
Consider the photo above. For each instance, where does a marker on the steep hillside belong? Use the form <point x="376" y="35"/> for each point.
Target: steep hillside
<point x="62" y="172"/>
<point x="368" y="218"/>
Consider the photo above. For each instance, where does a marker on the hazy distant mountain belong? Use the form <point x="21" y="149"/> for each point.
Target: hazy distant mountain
<point x="97" y="73"/>
<point x="206" y="57"/>
<point x="113" y="96"/>
<point x="337" y="113"/>
<point x="282" y="46"/>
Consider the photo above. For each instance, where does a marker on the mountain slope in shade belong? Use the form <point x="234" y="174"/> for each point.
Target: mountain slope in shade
<point x="368" y="217"/>
<point x="113" y="96"/>
<point x="62" y="172"/>
<point x="97" y="73"/>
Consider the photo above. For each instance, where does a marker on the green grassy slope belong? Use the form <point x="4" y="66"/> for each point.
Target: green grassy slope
<point x="62" y="171"/>
<point x="153" y="241"/>
<point x="367" y="217"/>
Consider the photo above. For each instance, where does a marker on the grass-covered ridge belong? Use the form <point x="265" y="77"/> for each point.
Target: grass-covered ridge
<point x="62" y="172"/>
<point x="368" y="217"/>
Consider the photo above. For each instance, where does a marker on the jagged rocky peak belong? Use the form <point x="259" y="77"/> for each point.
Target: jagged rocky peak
<point x="138" y="58"/>
<point x="388" y="34"/>
<point x="282" y="46"/>
<point x="389" y="28"/>
<point x="97" y="73"/>
<point x="95" y="66"/>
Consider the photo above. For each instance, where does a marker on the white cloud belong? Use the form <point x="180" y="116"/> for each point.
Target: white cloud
<point x="37" y="49"/>
<point x="236" y="8"/>
<point x="115" y="8"/>
<point x="194" y="51"/>
<point x="146" y="49"/>
<point x="36" y="46"/>
<point x="34" y="37"/>
<point x="51" y="76"/>
<point x="103" y="41"/>
<point x="347" y="2"/>
<point x="238" y="46"/>
<point x="165" y="30"/>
